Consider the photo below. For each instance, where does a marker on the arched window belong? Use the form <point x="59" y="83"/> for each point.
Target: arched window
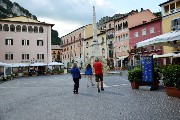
<point x="30" y="29"/>
<point x="87" y="44"/>
<point x="24" y="28"/>
<point x="18" y="28"/>
<point x="103" y="52"/>
<point x="0" y="27"/>
<point x="6" y="27"/>
<point x="12" y="28"/>
<point x="41" y="30"/>
<point x="35" y="29"/>
<point x="102" y="39"/>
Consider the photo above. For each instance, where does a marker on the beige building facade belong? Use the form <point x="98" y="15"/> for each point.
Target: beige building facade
<point x="56" y="52"/>
<point x="73" y="45"/>
<point x="170" y="11"/>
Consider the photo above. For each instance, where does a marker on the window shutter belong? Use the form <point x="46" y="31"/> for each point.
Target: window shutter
<point x="22" y="42"/>
<point x="11" y="56"/>
<point x="37" y="56"/>
<point x="172" y="23"/>
<point x="27" y="42"/>
<point x="11" y="41"/>
<point x="37" y="42"/>
<point x="6" y="56"/>
<point x="22" y="56"/>
<point x="178" y="21"/>
<point x="42" y="42"/>
<point x="6" y="41"/>
<point x="42" y="56"/>
<point x="28" y="56"/>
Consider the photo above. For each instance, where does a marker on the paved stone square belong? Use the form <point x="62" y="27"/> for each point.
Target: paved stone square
<point x="52" y="98"/>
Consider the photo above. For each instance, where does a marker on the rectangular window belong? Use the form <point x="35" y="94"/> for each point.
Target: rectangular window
<point x="152" y="48"/>
<point x="25" y="42"/>
<point x="136" y="34"/>
<point x="39" y="42"/>
<point x="8" y="41"/>
<point x="9" y="56"/>
<point x="175" y="24"/>
<point x="143" y="32"/>
<point x="151" y="30"/>
<point x="40" y="56"/>
<point x="25" y="56"/>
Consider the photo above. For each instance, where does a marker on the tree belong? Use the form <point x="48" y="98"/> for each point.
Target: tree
<point x="55" y="40"/>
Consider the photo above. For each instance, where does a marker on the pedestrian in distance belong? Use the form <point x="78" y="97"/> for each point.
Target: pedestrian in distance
<point x="76" y="76"/>
<point x="89" y="74"/>
<point x="98" y="68"/>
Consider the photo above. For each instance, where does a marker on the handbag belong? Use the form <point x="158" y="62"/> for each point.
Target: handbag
<point x="79" y="76"/>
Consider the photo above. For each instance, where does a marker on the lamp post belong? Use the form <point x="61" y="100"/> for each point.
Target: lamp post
<point x="81" y="64"/>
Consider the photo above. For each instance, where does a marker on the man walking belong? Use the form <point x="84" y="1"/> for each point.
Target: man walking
<point x="98" y="73"/>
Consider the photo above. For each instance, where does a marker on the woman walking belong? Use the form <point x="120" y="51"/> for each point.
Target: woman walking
<point x="76" y="75"/>
<point x="89" y="73"/>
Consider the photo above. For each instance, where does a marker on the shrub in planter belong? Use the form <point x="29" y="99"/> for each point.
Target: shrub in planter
<point x="171" y="76"/>
<point x="171" y="79"/>
<point x="135" y="76"/>
<point x="25" y="73"/>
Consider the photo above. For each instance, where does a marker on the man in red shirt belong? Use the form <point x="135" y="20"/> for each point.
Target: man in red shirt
<point x="98" y="67"/>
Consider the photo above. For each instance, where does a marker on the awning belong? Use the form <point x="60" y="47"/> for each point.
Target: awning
<point x="55" y="63"/>
<point x="162" y="40"/>
<point x="5" y="64"/>
<point x="38" y="64"/>
<point x="176" y="55"/>
<point x="122" y="57"/>
<point x="164" y="55"/>
<point x="19" y="64"/>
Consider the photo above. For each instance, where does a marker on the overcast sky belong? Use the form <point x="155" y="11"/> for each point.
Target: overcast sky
<point x="68" y="15"/>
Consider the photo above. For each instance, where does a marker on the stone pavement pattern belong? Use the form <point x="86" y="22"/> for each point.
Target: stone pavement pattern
<point x="51" y="98"/>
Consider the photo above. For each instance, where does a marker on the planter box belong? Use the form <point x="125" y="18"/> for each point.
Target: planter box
<point x="135" y="85"/>
<point x="171" y="91"/>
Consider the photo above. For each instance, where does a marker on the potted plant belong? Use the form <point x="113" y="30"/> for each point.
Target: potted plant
<point x="34" y="73"/>
<point x="25" y="74"/>
<point x="62" y="71"/>
<point x="8" y="77"/>
<point x="16" y="74"/>
<point x="13" y="75"/>
<point x="171" y="80"/>
<point x="135" y="76"/>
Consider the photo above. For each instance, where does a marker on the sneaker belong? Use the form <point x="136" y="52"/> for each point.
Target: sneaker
<point x="98" y="90"/>
<point x="102" y="89"/>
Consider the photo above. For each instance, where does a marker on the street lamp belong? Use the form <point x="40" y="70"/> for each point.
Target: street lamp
<point x="81" y="64"/>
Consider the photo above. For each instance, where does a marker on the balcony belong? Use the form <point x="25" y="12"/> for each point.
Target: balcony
<point x="110" y="36"/>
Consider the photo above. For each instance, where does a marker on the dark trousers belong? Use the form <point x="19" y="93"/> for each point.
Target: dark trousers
<point x="76" y="84"/>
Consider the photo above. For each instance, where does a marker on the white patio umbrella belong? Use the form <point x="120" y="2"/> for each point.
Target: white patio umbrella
<point x="19" y="64"/>
<point x="38" y="64"/>
<point x="55" y="63"/>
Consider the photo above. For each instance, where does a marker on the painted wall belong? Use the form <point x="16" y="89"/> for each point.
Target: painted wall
<point x="32" y="49"/>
